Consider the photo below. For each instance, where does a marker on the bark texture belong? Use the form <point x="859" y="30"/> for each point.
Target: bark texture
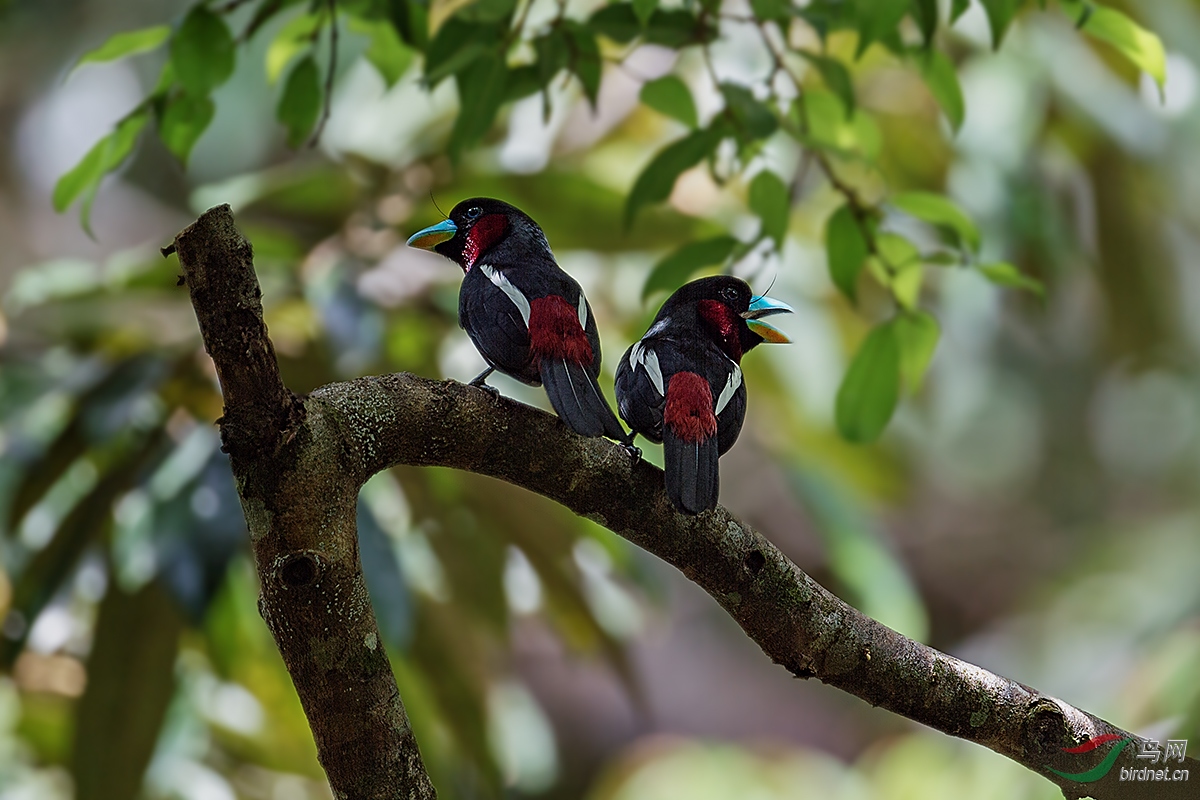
<point x="299" y="467"/>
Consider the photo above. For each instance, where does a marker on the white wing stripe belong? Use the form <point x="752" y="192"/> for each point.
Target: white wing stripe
<point x="646" y="358"/>
<point x="731" y="386"/>
<point x="582" y="311"/>
<point x="505" y="285"/>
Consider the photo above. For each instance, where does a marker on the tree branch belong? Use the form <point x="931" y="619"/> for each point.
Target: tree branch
<point x="306" y="548"/>
<point x="299" y="504"/>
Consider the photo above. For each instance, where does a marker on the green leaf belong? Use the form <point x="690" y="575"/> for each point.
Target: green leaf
<point x="410" y="18"/>
<point x="829" y="127"/>
<point x="670" y="96"/>
<point x="522" y="82"/>
<point x="202" y="51"/>
<point x="674" y="270"/>
<point x="771" y="10"/>
<point x="942" y="80"/>
<point x="836" y="77"/>
<point x="878" y="21"/>
<point x="939" y="210"/>
<point x="675" y="28"/>
<point x="293" y="38"/>
<point x="300" y="104"/>
<point x="656" y="181"/>
<point x="1143" y="48"/>
<point x="868" y="394"/>
<point x="925" y="13"/>
<point x="457" y="44"/>
<point x="678" y="28"/>
<point x="828" y="16"/>
<point x="846" y="248"/>
<point x="125" y="44"/>
<point x="105" y="156"/>
<point x="616" y="21"/>
<point x="957" y="9"/>
<point x="769" y="200"/>
<point x="585" y="62"/>
<point x="386" y="52"/>
<point x="1003" y="273"/>
<point x="489" y="11"/>
<point x="49" y="568"/>
<point x="1000" y="14"/>
<point x="553" y="53"/>
<point x="182" y="122"/>
<point x="917" y="334"/>
<point x="131" y="677"/>
<point x="906" y="283"/>
<point x="752" y="119"/>
<point x="643" y="9"/>
<point x="481" y="91"/>
<point x="896" y="250"/>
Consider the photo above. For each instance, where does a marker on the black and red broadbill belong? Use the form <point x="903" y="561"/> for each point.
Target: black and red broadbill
<point x="681" y="383"/>
<point x="527" y="317"/>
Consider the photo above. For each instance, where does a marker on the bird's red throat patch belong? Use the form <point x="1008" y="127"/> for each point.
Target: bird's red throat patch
<point x="689" y="409"/>
<point x="723" y="322"/>
<point x="555" y="332"/>
<point x="484" y="233"/>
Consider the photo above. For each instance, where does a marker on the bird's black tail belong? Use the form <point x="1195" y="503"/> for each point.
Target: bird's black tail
<point x="693" y="477"/>
<point x="578" y="400"/>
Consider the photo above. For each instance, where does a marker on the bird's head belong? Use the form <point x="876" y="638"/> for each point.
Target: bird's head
<point x="482" y="226"/>
<point x="728" y="312"/>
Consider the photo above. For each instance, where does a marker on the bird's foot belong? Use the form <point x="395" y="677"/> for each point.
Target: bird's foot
<point x="634" y="452"/>
<point x="492" y="390"/>
<point x="480" y="382"/>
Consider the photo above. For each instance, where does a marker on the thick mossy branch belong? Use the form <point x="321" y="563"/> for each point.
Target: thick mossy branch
<point x="299" y="496"/>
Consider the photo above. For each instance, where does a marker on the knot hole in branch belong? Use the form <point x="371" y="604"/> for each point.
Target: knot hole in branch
<point x="755" y="561"/>
<point x="300" y="569"/>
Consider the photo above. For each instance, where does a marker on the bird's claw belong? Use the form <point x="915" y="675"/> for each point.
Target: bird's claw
<point x="634" y="452"/>
<point x="492" y="390"/>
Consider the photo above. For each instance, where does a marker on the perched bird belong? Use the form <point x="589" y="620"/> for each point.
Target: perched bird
<point x="681" y="383"/>
<point x="527" y="317"/>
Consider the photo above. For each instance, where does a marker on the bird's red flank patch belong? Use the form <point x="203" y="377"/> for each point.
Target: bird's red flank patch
<point x="484" y="233"/>
<point x="555" y="332"/>
<point x="689" y="410"/>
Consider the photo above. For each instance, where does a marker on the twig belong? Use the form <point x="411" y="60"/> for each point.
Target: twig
<point x="860" y="210"/>
<point x="329" y="75"/>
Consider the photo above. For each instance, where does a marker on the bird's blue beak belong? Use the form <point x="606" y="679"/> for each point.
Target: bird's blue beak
<point x="763" y="306"/>
<point x="431" y="237"/>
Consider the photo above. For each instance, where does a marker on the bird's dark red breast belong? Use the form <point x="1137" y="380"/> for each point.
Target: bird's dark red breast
<point x="555" y="332"/>
<point x="689" y="407"/>
<point x="484" y="233"/>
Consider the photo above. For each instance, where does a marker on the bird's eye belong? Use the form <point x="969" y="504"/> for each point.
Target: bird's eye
<point x="729" y="293"/>
<point x="473" y="212"/>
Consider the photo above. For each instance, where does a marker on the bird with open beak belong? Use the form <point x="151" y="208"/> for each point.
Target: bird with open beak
<point x="681" y="383"/>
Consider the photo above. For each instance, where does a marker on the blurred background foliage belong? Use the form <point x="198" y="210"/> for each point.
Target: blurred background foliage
<point x="1031" y="507"/>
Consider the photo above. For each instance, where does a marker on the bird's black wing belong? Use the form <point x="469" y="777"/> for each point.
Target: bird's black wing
<point x="497" y="326"/>
<point x="640" y="390"/>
